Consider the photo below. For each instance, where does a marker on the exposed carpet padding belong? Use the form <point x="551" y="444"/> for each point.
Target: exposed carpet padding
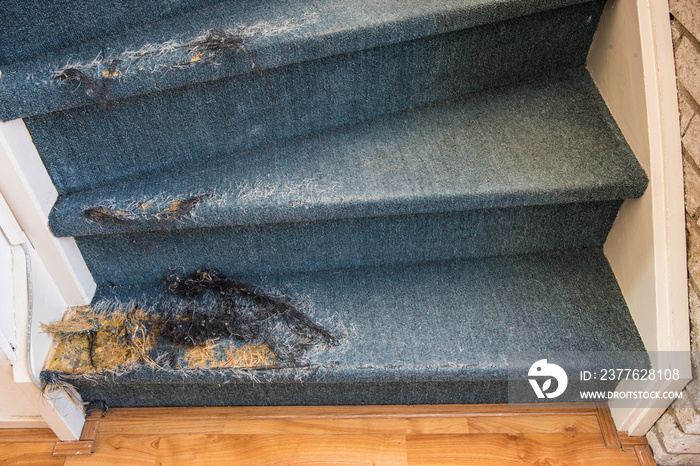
<point x="88" y="342"/>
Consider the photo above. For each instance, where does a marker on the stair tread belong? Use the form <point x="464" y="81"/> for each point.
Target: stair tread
<point x="543" y="142"/>
<point x="453" y="321"/>
<point x="280" y="34"/>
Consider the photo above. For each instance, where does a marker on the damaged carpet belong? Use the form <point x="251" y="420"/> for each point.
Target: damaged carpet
<point x="424" y="333"/>
<point x="209" y="321"/>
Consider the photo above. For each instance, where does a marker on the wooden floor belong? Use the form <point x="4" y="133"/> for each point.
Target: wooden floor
<point x="416" y="435"/>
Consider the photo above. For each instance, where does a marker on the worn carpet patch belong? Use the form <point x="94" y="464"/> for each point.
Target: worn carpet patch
<point x="205" y="321"/>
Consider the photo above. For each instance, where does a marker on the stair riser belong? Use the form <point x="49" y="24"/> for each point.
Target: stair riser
<point x="88" y="146"/>
<point x="305" y="394"/>
<point x="147" y="257"/>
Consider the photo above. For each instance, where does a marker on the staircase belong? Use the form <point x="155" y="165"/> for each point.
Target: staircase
<point x="433" y="180"/>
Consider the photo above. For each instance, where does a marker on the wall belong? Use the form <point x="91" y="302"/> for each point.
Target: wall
<point x="16" y="410"/>
<point x="675" y="439"/>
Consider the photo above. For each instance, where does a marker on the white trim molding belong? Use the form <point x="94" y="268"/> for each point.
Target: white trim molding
<point x="32" y="292"/>
<point x="30" y="193"/>
<point x="631" y="62"/>
<point x="48" y="275"/>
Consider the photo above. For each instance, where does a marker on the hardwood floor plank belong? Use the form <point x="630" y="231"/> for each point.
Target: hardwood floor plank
<point x="607" y="427"/>
<point x="478" y="435"/>
<point x="292" y="449"/>
<point x="121" y="450"/>
<point x="77" y="448"/>
<point x="553" y="424"/>
<point x="644" y="455"/>
<point x="354" y="425"/>
<point x="90" y="429"/>
<point x="27" y="436"/>
<point x="628" y="441"/>
<point x="250" y="449"/>
<point x="284" y="426"/>
<point x="159" y="426"/>
<point x="31" y="453"/>
<point x="518" y="449"/>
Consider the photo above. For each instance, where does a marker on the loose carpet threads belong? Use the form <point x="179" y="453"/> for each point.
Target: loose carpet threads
<point x="140" y="337"/>
<point x="179" y="52"/>
<point x="216" y="43"/>
<point x="267" y="310"/>
<point x="210" y="47"/>
<point x="175" y="211"/>
<point x="81" y="320"/>
<point x="195" y="327"/>
<point x="53" y="383"/>
<point x="249" y="356"/>
<point x="97" y="88"/>
<point x="77" y="320"/>
<point x="293" y="193"/>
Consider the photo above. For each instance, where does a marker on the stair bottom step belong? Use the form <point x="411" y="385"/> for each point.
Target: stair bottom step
<point x="449" y="332"/>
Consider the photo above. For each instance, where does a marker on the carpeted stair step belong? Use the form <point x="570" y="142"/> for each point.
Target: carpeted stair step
<point x="533" y="167"/>
<point x="445" y="332"/>
<point x="181" y="89"/>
